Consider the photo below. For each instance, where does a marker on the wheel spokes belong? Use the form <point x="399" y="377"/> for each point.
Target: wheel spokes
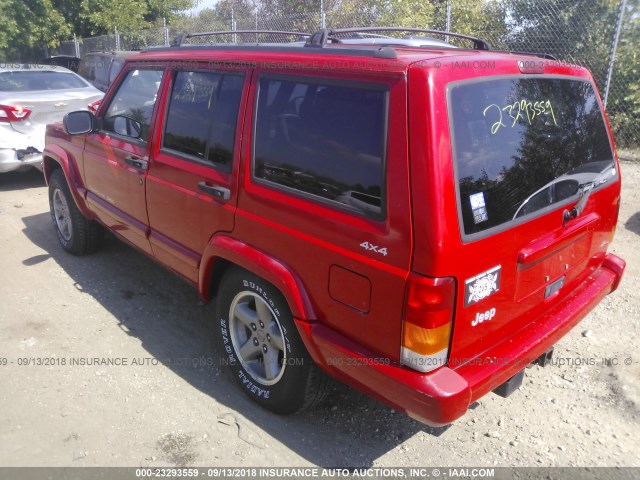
<point x="257" y="338"/>
<point x="61" y="214"/>
<point x="245" y="314"/>
<point x="250" y="351"/>
<point x="272" y="365"/>
<point x="263" y="312"/>
<point x="276" y="336"/>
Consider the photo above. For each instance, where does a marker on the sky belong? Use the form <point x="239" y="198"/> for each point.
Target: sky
<point x="202" y="4"/>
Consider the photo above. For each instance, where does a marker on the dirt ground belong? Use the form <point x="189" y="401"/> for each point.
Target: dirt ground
<point x="169" y="402"/>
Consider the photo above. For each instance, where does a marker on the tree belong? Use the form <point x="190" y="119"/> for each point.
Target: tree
<point x="29" y="25"/>
<point x="104" y="16"/>
<point x="582" y="31"/>
<point x="577" y="31"/>
<point x="624" y="95"/>
<point x="408" y="13"/>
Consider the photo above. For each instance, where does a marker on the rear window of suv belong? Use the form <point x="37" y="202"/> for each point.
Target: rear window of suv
<point x="524" y="146"/>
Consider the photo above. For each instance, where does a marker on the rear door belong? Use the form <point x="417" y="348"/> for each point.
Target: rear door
<point x="192" y="182"/>
<point x="116" y="157"/>
<point x="325" y="192"/>
<point x="536" y="195"/>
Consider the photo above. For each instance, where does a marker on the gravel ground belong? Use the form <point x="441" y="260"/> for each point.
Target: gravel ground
<point x="172" y="404"/>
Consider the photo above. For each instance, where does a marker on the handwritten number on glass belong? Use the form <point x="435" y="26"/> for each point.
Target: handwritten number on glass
<point x="519" y="110"/>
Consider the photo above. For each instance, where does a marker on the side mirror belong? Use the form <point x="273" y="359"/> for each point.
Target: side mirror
<point x="77" y="123"/>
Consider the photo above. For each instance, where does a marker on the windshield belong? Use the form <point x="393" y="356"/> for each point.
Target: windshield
<point x="524" y="146"/>
<point x="23" y="81"/>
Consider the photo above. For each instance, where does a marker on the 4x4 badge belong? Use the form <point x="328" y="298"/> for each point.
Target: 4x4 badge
<point x="481" y="286"/>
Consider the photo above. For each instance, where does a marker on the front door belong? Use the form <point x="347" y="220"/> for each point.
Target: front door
<point x="116" y="157"/>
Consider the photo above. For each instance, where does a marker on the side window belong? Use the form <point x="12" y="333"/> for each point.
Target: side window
<point x="324" y="140"/>
<point x="102" y="69"/>
<point x="116" y="66"/>
<point x="202" y="116"/>
<point x="129" y="112"/>
<point x="87" y="67"/>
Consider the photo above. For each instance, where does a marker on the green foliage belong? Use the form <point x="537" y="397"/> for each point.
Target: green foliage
<point x="29" y="24"/>
<point x="579" y="31"/>
<point x="107" y="15"/>
<point x="407" y="13"/>
<point x="582" y="31"/>
<point x="485" y="19"/>
<point x="624" y="97"/>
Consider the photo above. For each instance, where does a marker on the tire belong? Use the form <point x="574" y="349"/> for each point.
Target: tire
<point x="77" y="234"/>
<point x="262" y="348"/>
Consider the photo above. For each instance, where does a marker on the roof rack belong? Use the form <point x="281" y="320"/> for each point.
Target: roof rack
<point x="322" y="37"/>
<point x="184" y="36"/>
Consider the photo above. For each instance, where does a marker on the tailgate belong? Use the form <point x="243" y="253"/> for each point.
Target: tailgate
<point x="46" y="107"/>
<point x="50" y="106"/>
<point x="537" y="191"/>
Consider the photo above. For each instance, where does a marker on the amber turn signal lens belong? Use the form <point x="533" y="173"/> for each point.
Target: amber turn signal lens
<point x="426" y="341"/>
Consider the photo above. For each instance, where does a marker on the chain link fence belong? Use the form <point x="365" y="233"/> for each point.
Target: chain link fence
<point x="604" y="36"/>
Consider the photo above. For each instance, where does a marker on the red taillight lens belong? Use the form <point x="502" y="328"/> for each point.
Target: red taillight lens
<point x="430" y="301"/>
<point x="94" y="106"/>
<point x="427" y="322"/>
<point x="13" y="113"/>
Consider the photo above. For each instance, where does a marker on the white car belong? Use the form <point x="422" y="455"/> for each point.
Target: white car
<point x="31" y="96"/>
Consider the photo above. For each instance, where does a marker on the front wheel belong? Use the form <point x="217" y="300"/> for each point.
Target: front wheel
<point x="76" y="234"/>
<point x="262" y="346"/>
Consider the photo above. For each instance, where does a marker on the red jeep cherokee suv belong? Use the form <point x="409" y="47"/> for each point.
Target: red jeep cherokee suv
<point x="417" y="220"/>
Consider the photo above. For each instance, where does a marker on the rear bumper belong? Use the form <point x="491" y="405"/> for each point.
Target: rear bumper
<point x="9" y="160"/>
<point x="440" y="397"/>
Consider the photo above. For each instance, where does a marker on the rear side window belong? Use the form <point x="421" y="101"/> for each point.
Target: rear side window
<point x="323" y="140"/>
<point x="87" y="68"/>
<point x="202" y="116"/>
<point x="525" y="146"/>
<point x="116" y="66"/>
<point x="102" y="69"/>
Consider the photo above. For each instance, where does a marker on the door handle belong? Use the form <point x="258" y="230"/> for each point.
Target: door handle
<point x="220" y="193"/>
<point x="138" y="163"/>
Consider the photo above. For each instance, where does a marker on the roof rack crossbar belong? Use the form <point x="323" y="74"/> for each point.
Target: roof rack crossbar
<point x="184" y="36"/>
<point x="322" y="37"/>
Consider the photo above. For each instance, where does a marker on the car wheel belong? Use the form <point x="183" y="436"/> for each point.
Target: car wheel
<point x="262" y="347"/>
<point x="77" y="234"/>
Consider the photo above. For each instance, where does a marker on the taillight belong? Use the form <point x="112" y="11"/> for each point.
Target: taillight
<point x="428" y="319"/>
<point x="13" y="113"/>
<point x="94" y="106"/>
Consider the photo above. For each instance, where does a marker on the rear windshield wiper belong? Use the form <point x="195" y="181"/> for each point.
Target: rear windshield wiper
<point x="584" y="191"/>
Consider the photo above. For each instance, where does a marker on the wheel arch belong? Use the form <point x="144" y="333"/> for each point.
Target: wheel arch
<point x="224" y="252"/>
<point x="56" y="158"/>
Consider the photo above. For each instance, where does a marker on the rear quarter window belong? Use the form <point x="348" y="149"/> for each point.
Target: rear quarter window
<point x="524" y="146"/>
<point x="102" y="66"/>
<point x="87" y="68"/>
<point x="323" y="140"/>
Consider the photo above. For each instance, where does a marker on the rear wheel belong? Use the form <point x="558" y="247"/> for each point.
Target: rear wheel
<point x="76" y="234"/>
<point x="262" y="346"/>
